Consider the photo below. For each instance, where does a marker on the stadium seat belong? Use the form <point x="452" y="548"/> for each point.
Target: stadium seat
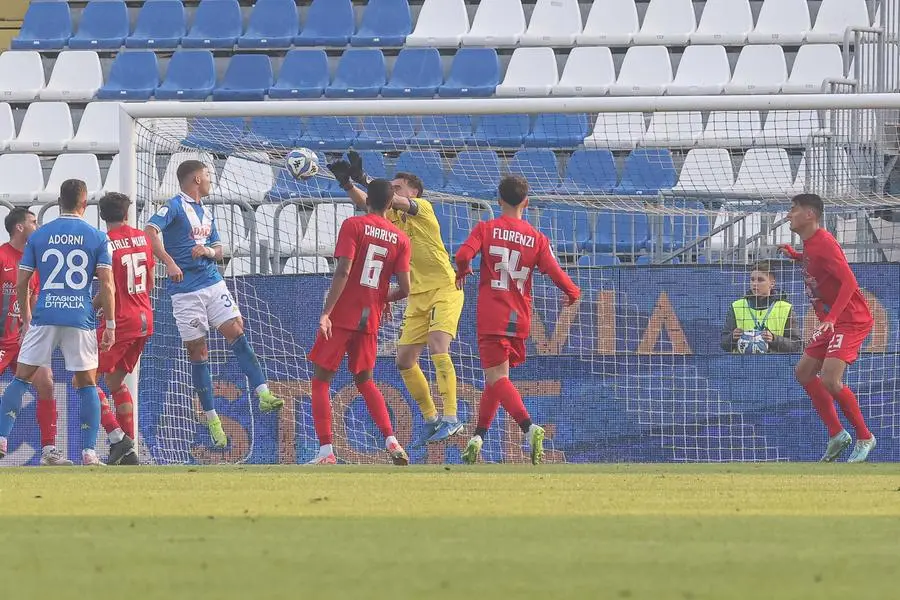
<point x="160" y="24"/>
<point x="784" y="22"/>
<point x="496" y="23"/>
<point x="730" y="129"/>
<point x="288" y="188"/>
<point x="620" y="232"/>
<point x="248" y="77"/>
<point x="703" y="70"/>
<point x="191" y="74"/>
<point x="501" y="131"/>
<point x="616" y="131"/>
<point x="441" y="24"/>
<point x="46" y="26"/>
<point x="217" y="24"/>
<point x="705" y="171"/>
<point x="788" y="128"/>
<point x="111" y="182"/>
<point x="426" y="164"/>
<point x="455" y="221"/>
<point x="272" y="24"/>
<point x="328" y="23"/>
<point x="836" y="175"/>
<point x="417" y="73"/>
<point x="103" y="24"/>
<point x="531" y="72"/>
<point x="22" y="177"/>
<point x="221" y="134"/>
<point x="47" y="127"/>
<point x="725" y="22"/>
<point x="445" y="131"/>
<point x="598" y="260"/>
<point x="384" y="23"/>
<point x="759" y="70"/>
<point x="374" y="164"/>
<point x="589" y="71"/>
<point x="239" y="266"/>
<point x="610" y="23"/>
<point x="4" y="235"/>
<point x="646" y="71"/>
<point x="766" y="172"/>
<point x="553" y="23"/>
<point x="647" y="171"/>
<point x="814" y="64"/>
<point x="168" y="185"/>
<point x="7" y="126"/>
<point x="539" y="168"/>
<point x="277" y="132"/>
<point x="304" y="74"/>
<point x="76" y="77"/>
<point x="321" y="230"/>
<point x="98" y="130"/>
<point x="305" y="265"/>
<point x="834" y="17"/>
<point x="248" y="177"/>
<point x="474" y="72"/>
<point x="475" y="173"/>
<point x="147" y="179"/>
<point x="167" y="135"/>
<point x="558" y="130"/>
<point x="667" y="22"/>
<point x="589" y="172"/>
<point x="229" y="220"/>
<point x="21" y="76"/>
<point x="385" y="133"/>
<point x="282" y="235"/>
<point x="361" y="73"/>
<point x="673" y="129"/>
<point x="572" y="230"/>
<point x="133" y="76"/>
<point x="329" y="133"/>
<point x="72" y="166"/>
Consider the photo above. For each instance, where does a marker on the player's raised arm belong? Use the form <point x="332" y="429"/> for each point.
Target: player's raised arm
<point x="550" y="267"/>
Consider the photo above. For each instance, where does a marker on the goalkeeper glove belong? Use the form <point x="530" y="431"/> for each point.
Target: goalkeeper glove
<point x="356" y="168"/>
<point x="341" y="171"/>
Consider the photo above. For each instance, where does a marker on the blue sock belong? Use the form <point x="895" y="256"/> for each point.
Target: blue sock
<point x="90" y="416"/>
<point x="11" y="405"/>
<point x="203" y="383"/>
<point x="248" y="361"/>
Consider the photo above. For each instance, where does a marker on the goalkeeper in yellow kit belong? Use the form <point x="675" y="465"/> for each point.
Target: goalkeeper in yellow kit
<point x="434" y="306"/>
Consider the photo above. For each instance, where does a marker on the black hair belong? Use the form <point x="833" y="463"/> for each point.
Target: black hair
<point x="813" y="201"/>
<point x="379" y="194"/>
<point x="15" y="217"/>
<point x="114" y="207"/>
<point x="513" y="189"/>
<point x="187" y="169"/>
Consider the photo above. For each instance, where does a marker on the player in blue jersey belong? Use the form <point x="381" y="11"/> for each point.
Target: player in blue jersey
<point x="67" y="254"/>
<point x="189" y="247"/>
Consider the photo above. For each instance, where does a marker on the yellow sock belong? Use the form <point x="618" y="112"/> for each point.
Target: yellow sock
<point x="417" y="386"/>
<point x="446" y="378"/>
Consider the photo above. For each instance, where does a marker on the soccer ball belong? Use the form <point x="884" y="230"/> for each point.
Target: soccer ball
<point x="752" y="342"/>
<point x="302" y="163"/>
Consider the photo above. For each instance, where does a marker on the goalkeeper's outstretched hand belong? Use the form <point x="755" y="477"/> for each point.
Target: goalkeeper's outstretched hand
<point x="341" y="171"/>
<point x="357" y="173"/>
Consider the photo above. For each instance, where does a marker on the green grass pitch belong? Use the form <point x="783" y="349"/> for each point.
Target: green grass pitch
<point x="782" y="531"/>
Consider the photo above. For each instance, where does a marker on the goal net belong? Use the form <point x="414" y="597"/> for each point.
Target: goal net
<point x="658" y="208"/>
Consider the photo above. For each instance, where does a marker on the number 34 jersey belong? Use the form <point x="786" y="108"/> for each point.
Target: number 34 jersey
<point x="378" y="250"/>
<point x="132" y="265"/>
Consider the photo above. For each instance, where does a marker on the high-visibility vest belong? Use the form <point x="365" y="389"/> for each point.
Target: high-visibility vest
<point x="775" y="322"/>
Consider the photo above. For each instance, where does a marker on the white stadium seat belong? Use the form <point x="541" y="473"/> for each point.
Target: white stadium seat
<point x="45" y="212"/>
<point x="162" y="135"/>
<point x="98" y="130"/>
<point x="749" y="225"/>
<point x="147" y="178"/>
<point x="441" y="24"/>
<point x="703" y="70"/>
<point x="820" y="174"/>
<point x="4" y="236"/>
<point x="646" y="71"/>
<point x="788" y="128"/>
<point x="249" y="177"/>
<point x="814" y="64"/>
<point x="92" y="216"/>
<point x="305" y="265"/>
<point x="72" y="166"/>
<point x="610" y="23"/>
<point x="766" y="172"/>
<point x="76" y="77"/>
<point x="111" y="182"/>
<point x="730" y="129"/>
<point x="833" y="19"/>
<point x="668" y="22"/>
<point x="168" y="187"/>
<point x="531" y="72"/>
<point x="706" y="171"/>
<point x="7" y="126"/>
<point x="239" y="265"/>
<point x="321" y="231"/>
<point x="589" y="71"/>
<point x="673" y="129"/>
<point x="22" y="177"/>
<point x="229" y="220"/>
<point x="47" y="128"/>
<point x="616" y="131"/>
<point x="726" y="22"/>
<point x="553" y="23"/>
<point x="759" y="70"/>
<point x="497" y="23"/>
<point x="783" y="22"/>
<point x="289" y="228"/>
<point x="21" y="76"/>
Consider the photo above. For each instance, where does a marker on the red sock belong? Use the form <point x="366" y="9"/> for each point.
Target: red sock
<point x="107" y="418"/>
<point x="824" y="405"/>
<point x="46" y="418"/>
<point x="487" y="409"/>
<point x="511" y="400"/>
<point x="125" y="410"/>
<point x="846" y="399"/>
<point x="377" y="407"/>
<point x="321" y="410"/>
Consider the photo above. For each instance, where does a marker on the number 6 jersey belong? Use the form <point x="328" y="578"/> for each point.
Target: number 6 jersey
<point x="132" y="264"/>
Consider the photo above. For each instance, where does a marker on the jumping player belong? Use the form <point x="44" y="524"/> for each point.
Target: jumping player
<point x="845" y="323"/>
<point x="369" y="251"/>
<point x="511" y="249"/>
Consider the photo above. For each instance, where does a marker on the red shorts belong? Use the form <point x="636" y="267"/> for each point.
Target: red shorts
<point x="360" y="348"/>
<point x="844" y="344"/>
<point x="123" y="356"/>
<point x="495" y="350"/>
<point x="8" y="358"/>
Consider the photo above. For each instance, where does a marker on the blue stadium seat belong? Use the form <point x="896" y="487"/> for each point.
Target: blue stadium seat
<point x="217" y="24"/>
<point x="385" y="133"/>
<point x="191" y="75"/>
<point x="589" y="172"/>
<point x="160" y="24"/>
<point x="47" y="26"/>
<point x="248" y="77"/>
<point x="279" y="132"/>
<point x="647" y="171"/>
<point x="417" y="73"/>
<point x="384" y="23"/>
<point x="361" y="73"/>
<point x="426" y="164"/>
<point x="103" y="24"/>
<point x="598" y="260"/>
<point x="215" y="134"/>
<point x="328" y="23"/>
<point x="542" y="219"/>
<point x="558" y="130"/>
<point x="133" y="76"/>
<point x="572" y="229"/>
<point x="373" y="162"/>
<point x="272" y="24"/>
<point x="286" y="187"/>
<point x="620" y="232"/>
<point x="539" y="168"/>
<point x="455" y="220"/>
<point x="329" y="133"/>
<point x="474" y="72"/>
<point x="502" y="131"/>
<point x="304" y="74"/>
<point x="475" y="173"/>
<point x="445" y="131"/>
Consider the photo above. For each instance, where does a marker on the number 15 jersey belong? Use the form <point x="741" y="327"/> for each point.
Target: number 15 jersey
<point x="132" y="265"/>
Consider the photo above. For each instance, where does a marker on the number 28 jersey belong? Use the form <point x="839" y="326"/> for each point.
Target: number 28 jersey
<point x="132" y="265"/>
<point x="378" y="250"/>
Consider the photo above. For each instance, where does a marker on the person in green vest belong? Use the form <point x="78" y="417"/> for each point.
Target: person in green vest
<point x="763" y="314"/>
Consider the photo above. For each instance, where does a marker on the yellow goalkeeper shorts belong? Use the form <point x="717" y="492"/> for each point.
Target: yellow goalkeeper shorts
<point x="434" y="310"/>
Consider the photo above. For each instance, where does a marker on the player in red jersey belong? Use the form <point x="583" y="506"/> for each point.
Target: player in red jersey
<point x="511" y="249"/>
<point x="20" y="223"/>
<point x="845" y="322"/>
<point x="369" y="250"/>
